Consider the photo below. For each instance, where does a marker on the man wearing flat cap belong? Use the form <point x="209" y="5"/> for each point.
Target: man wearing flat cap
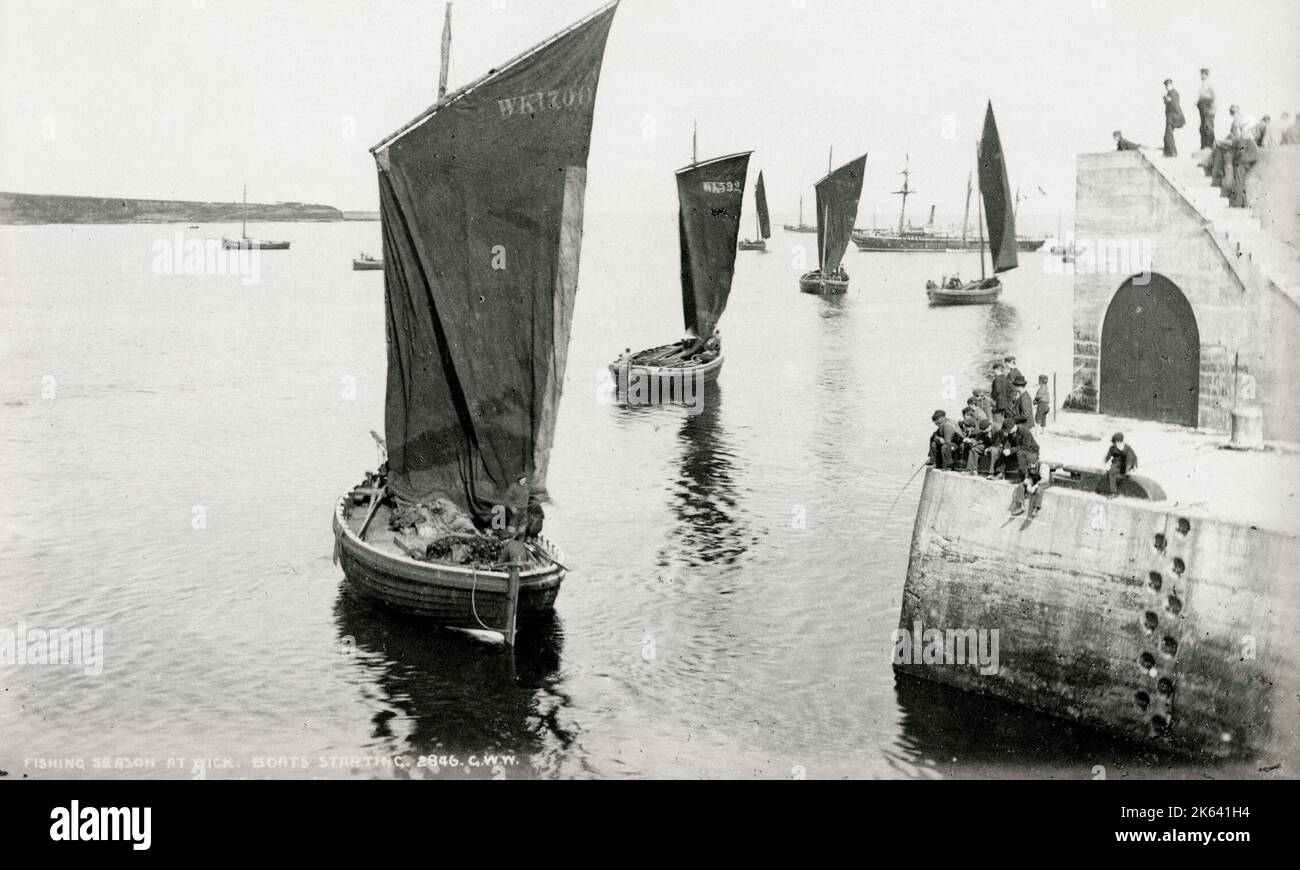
<point x="944" y="442"/>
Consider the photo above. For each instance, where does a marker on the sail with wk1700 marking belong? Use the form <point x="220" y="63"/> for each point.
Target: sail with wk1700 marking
<point x="481" y="199"/>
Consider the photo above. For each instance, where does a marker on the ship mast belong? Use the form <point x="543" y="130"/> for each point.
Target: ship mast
<point x="979" y="208"/>
<point x="446" y="54"/>
<point x="243" y="214"/>
<point x="965" y="221"/>
<point x="905" y="192"/>
<point x="695" y="142"/>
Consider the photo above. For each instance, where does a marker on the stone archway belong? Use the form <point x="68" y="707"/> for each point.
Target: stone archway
<point x="1150" y="353"/>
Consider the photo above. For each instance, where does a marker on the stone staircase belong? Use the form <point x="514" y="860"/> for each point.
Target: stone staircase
<point x="1239" y="234"/>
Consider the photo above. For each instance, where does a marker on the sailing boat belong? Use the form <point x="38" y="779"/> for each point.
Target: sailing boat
<point x="244" y="242"/>
<point x="710" y="195"/>
<point x="762" y="223"/>
<point x="800" y="227"/>
<point x="450" y="527"/>
<point x="367" y="263"/>
<point x="994" y="206"/>
<point x="837" y="210"/>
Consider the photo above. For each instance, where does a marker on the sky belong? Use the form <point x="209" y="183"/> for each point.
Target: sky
<point x="188" y="99"/>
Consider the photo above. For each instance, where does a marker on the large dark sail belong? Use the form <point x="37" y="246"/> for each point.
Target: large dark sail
<point x="708" y="222"/>
<point x="995" y="188"/>
<point x="837" y="211"/>
<point x="481" y="199"/>
<point x="760" y="202"/>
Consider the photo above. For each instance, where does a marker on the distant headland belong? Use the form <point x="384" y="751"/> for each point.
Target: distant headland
<point x="37" y="208"/>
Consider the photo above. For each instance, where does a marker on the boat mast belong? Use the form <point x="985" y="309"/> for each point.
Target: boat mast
<point x="826" y="232"/>
<point x="446" y="54"/>
<point x="965" y="221"/>
<point x="905" y="192"/>
<point x="243" y="214"/>
<point x="695" y="142"/>
<point x="830" y="160"/>
<point x="979" y="208"/>
<point x="800" y="211"/>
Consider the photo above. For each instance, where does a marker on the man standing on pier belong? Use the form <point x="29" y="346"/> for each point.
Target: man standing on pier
<point x="1173" y="118"/>
<point x="1122" y="461"/>
<point x="1022" y="407"/>
<point x="1001" y="392"/>
<point x="1205" y="105"/>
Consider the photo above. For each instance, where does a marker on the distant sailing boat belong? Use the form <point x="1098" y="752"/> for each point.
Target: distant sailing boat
<point x="762" y="223"/>
<point x="837" y="211"/>
<point x="366" y="263"/>
<point x="450" y="527"/>
<point x="710" y="195"/>
<point x="995" y="207"/>
<point x="244" y="242"/>
<point x="800" y="227"/>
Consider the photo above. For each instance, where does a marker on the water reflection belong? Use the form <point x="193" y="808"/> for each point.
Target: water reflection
<point x="437" y="692"/>
<point x="1000" y="335"/>
<point x="704" y="497"/>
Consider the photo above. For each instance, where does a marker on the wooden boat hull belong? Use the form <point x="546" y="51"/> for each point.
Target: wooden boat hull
<point x="253" y="245"/>
<point x="813" y="282"/>
<point x="975" y="293"/>
<point x="745" y="245"/>
<point x="799" y="228"/>
<point x="664" y="385"/>
<point x="367" y="265"/>
<point x="446" y="595"/>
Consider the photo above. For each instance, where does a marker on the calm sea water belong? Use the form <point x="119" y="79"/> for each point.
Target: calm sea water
<point x="173" y="445"/>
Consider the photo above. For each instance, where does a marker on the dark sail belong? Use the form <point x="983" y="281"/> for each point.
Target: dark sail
<point x="995" y="188"/>
<point x="481" y="199"/>
<point x="760" y="201"/>
<point x="837" y="211"/>
<point x="708" y="222"/>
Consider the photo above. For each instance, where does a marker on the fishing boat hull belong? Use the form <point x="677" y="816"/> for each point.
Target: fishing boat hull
<point x="813" y="282"/>
<point x="367" y="265"/>
<point x="253" y="245"/>
<point x="974" y="293"/>
<point x="799" y="228"/>
<point x="445" y="595"/>
<point x="746" y="245"/>
<point x="664" y="385"/>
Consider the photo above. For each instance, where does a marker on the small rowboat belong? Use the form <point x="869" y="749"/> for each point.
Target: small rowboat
<point x="984" y="292"/>
<point x="367" y="263"/>
<point x="455" y="596"/>
<point x="663" y="384"/>
<point x="757" y="245"/>
<point x="813" y="282"/>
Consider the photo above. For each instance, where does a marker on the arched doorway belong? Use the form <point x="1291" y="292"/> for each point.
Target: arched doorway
<point x="1150" y="353"/>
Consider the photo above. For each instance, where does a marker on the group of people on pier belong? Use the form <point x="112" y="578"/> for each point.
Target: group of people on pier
<point x="1228" y="161"/>
<point x="996" y="433"/>
<point x="995" y="438"/>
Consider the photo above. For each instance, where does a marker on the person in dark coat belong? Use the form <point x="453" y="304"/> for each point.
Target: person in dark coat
<point x="1042" y="402"/>
<point x="1173" y="118"/>
<point x="1022" y="407"/>
<point x="1001" y="392"/>
<point x="1012" y="371"/>
<point x="1122" y="461"/>
<point x="978" y="444"/>
<point x="1019" y="446"/>
<point x="1122" y="144"/>
<point x="944" y="442"/>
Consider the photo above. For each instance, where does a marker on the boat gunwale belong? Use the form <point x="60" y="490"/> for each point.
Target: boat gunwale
<point x="671" y="371"/>
<point x="343" y="531"/>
